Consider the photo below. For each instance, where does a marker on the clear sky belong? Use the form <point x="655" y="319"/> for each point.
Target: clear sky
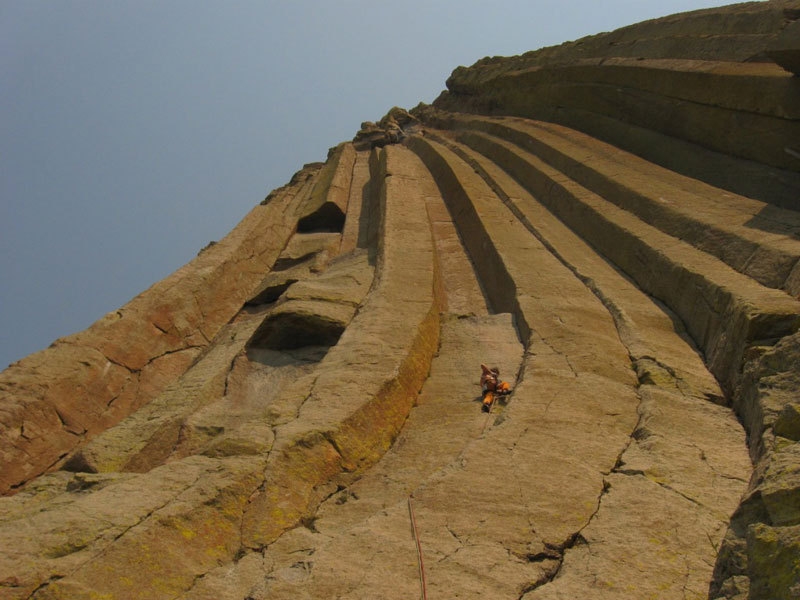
<point x="133" y="132"/>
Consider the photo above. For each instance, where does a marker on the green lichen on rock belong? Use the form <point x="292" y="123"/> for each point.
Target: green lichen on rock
<point x="780" y="489"/>
<point x="787" y="424"/>
<point x="774" y="562"/>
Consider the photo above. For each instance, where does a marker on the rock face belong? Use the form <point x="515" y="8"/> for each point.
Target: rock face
<point x="613" y="222"/>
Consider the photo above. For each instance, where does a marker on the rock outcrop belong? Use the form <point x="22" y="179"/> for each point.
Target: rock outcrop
<point x="613" y="222"/>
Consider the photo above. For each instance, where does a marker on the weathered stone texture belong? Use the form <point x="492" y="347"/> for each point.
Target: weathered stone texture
<point x="56" y="399"/>
<point x="703" y="77"/>
<point x="612" y="222"/>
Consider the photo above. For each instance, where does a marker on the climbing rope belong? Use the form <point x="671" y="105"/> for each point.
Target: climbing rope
<point x="419" y="551"/>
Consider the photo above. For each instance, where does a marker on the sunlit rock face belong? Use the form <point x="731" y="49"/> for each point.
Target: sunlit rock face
<point x="614" y="223"/>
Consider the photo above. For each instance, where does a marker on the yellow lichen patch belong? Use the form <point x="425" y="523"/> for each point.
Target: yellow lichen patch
<point x="292" y="476"/>
<point x="182" y="527"/>
<point x="162" y="556"/>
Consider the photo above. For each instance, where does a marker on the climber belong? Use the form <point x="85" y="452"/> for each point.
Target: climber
<point x="491" y="386"/>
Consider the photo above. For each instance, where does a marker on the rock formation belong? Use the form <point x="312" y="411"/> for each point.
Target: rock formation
<point x="613" y="222"/>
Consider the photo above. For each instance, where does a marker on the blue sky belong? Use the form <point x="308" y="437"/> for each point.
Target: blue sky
<point x="132" y="133"/>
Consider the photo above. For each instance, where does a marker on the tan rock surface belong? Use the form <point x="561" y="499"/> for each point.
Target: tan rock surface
<point x="296" y="414"/>
<point x="700" y="287"/>
<point x="87" y="382"/>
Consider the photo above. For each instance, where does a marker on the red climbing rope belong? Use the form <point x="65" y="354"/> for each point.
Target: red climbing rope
<point x="419" y="551"/>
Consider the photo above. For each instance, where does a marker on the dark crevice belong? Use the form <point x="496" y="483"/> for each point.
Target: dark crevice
<point x="55" y="463"/>
<point x="66" y="426"/>
<point x="557" y="551"/>
<point x="43" y="585"/>
<point x="369" y="217"/>
<point x="496" y="284"/>
<point x="550" y="552"/>
<point x="177" y="351"/>
<point x="553" y="552"/>
<point x="290" y="331"/>
<point x="161" y="329"/>
<point x="80" y="484"/>
<point x="630" y="472"/>
<point x="309" y="522"/>
<point x="117" y="363"/>
<point x="271" y="293"/>
<point x="228" y="375"/>
<point x="78" y="464"/>
<point x="19" y="485"/>
<point x="284" y="264"/>
<point x="332" y="441"/>
<point x="329" y="218"/>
